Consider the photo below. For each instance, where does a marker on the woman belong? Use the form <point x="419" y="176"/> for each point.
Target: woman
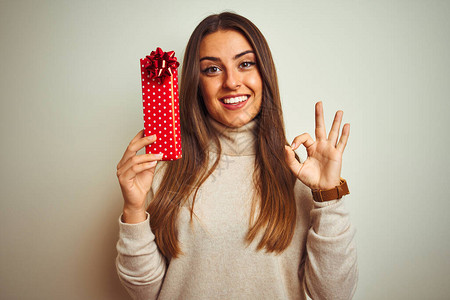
<point x="235" y="217"/>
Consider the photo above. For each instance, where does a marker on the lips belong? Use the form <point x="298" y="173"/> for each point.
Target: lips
<point x="232" y="99"/>
<point x="233" y="102"/>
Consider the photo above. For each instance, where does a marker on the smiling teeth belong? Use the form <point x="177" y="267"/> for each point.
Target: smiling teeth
<point x="235" y="100"/>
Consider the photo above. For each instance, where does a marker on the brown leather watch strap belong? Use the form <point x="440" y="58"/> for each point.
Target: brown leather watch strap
<point x="331" y="194"/>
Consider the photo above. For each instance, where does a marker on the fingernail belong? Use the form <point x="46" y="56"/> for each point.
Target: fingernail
<point x="160" y="154"/>
<point x="151" y="137"/>
<point x="293" y="145"/>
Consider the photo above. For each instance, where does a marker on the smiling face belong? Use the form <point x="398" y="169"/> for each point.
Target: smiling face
<point x="229" y="78"/>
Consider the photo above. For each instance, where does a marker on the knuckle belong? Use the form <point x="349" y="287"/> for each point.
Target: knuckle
<point x="120" y="180"/>
<point x="135" y="159"/>
<point x="130" y="147"/>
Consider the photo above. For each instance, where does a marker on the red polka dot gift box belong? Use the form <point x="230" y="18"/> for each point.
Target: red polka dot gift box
<point x="160" y="101"/>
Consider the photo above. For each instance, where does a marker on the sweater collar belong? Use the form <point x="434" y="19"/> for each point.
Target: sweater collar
<point x="235" y="141"/>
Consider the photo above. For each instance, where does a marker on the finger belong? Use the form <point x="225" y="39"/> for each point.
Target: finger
<point x="304" y="139"/>
<point x="136" y="169"/>
<point x="344" y="137"/>
<point x="293" y="163"/>
<point x="321" y="133"/>
<point x="138" y="159"/>
<point x="139" y="135"/>
<point x="135" y="145"/>
<point x="334" y="132"/>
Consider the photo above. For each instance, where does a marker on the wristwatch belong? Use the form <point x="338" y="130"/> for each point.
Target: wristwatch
<point x="332" y="194"/>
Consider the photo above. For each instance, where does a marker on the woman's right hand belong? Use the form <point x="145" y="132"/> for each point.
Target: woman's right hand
<point x="135" y="174"/>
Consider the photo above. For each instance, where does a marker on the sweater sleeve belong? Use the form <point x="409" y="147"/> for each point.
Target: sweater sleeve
<point x="139" y="263"/>
<point x="331" y="270"/>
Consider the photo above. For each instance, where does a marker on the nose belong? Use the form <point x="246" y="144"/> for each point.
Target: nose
<point x="232" y="80"/>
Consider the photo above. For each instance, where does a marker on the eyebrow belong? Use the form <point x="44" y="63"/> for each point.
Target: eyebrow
<point x="235" y="57"/>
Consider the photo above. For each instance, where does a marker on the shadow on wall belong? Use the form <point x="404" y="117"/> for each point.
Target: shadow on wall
<point x="97" y="270"/>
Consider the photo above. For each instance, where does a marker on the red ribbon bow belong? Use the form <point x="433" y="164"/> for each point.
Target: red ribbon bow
<point x="161" y="64"/>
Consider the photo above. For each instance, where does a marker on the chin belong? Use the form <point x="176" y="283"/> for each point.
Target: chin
<point x="237" y="121"/>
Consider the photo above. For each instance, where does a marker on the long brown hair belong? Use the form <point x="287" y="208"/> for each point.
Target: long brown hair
<point x="273" y="200"/>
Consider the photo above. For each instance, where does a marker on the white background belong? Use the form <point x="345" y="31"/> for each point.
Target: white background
<point x="70" y="104"/>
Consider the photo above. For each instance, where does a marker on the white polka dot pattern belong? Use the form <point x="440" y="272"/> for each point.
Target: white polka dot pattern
<point x="162" y="114"/>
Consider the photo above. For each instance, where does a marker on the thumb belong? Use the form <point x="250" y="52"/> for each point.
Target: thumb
<point x="289" y="157"/>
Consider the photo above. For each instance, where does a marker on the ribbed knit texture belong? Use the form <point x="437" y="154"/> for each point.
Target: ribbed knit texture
<point x="320" y="261"/>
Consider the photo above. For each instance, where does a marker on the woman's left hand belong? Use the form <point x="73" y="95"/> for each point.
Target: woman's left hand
<point x="322" y="168"/>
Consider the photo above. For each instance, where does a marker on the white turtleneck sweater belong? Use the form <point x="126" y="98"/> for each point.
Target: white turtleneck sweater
<point x="216" y="264"/>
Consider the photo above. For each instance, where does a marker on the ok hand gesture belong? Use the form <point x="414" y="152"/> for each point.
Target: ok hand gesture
<point x="322" y="168"/>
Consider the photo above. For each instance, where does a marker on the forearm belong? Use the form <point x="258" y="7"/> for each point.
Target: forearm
<point x="140" y="265"/>
<point x="331" y="270"/>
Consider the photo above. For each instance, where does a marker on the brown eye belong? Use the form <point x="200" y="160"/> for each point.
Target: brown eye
<point x="247" y="64"/>
<point x="211" y="70"/>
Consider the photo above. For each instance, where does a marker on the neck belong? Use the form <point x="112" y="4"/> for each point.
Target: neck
<point x="238" y="141"/>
